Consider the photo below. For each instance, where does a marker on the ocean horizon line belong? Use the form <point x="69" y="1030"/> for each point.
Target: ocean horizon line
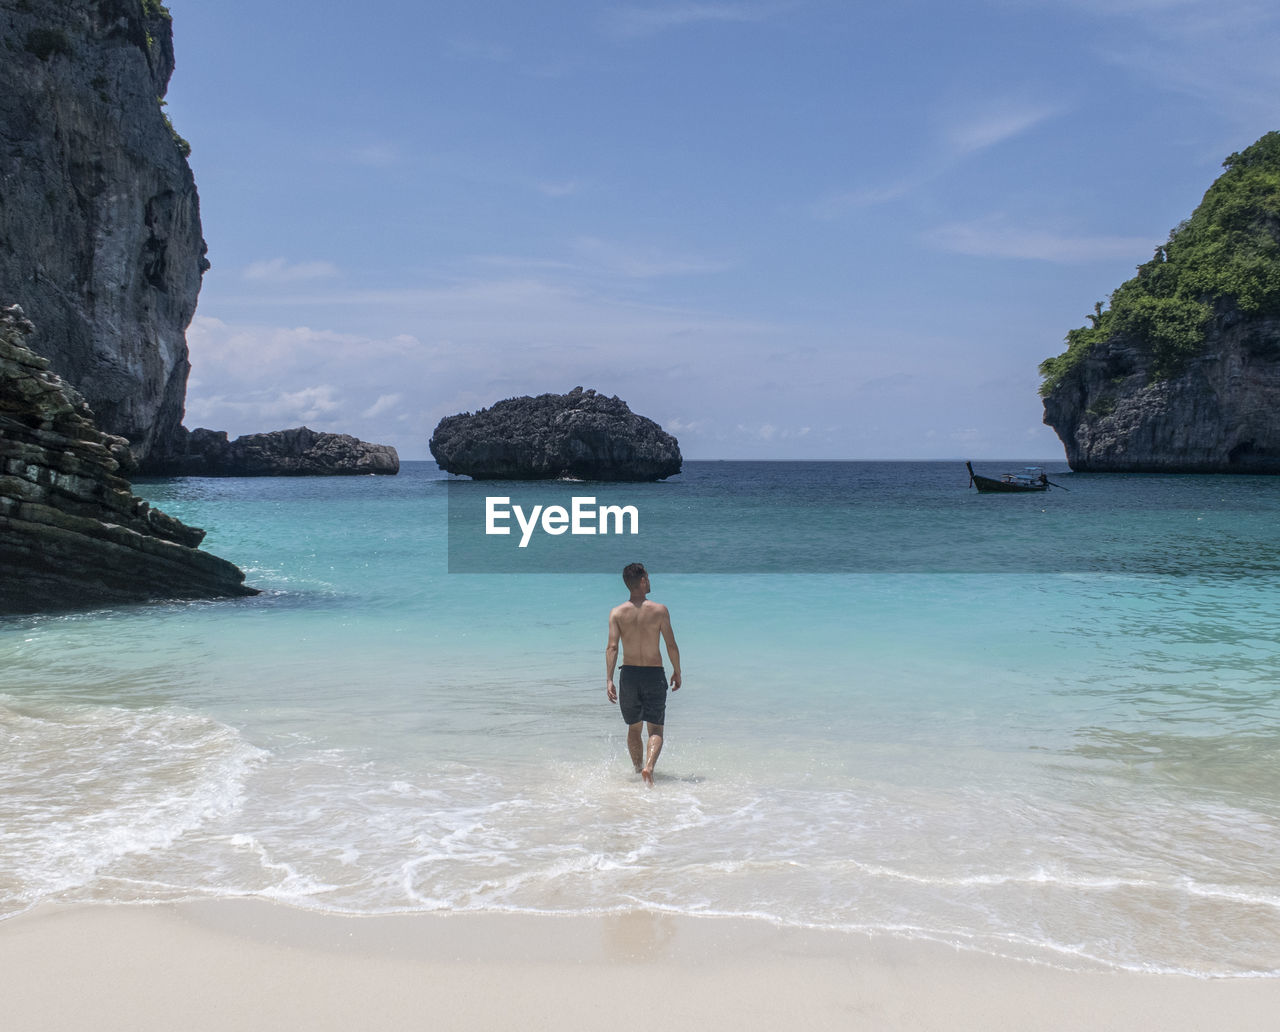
<point x="941" y="462"/>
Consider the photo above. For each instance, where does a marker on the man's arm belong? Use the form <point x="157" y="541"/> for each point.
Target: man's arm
<point x="673" y="650"/>
<point x="611" y="657"/>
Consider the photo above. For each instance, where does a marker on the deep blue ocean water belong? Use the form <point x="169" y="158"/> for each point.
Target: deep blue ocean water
<point x="1041" y="726"/>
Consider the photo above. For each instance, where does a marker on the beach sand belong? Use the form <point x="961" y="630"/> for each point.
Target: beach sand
<point x="249" y="965"/>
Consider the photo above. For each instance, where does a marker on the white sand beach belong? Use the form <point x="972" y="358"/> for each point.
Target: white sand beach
<point x="248" y="966"/>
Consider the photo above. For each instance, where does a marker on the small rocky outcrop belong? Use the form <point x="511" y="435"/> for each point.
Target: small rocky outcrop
<point x="100" y="235"/>
<point x="281" y="453"/>
<point x="581" y="435"/>
<point x="1181" y="373"/>
<point x="72" y="533"/>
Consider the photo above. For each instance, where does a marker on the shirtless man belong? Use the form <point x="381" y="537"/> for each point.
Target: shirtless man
<point x="642" y="684"/>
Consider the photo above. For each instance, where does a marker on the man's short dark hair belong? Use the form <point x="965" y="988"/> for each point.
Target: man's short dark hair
<point x="633" y="574"/>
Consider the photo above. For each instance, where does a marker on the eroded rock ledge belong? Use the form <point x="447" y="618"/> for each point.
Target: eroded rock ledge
<point x="72" y="533"/>
<point x="300" y="452"/>
<point x="581" y="435"/>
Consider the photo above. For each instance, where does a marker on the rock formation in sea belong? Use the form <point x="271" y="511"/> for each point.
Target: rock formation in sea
<point x="281" y="453"/>
<point x="1181" y="373"/>
<point x="72" y="533"/>
<point x="100" y="237"/>
<point x="582" y="435"/>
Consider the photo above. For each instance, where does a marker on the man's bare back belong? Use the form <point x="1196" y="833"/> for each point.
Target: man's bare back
<point x="638" y="626"/>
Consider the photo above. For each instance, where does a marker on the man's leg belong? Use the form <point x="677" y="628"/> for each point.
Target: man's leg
<point x="655" y="749"/>
<point x="635" y="745"/>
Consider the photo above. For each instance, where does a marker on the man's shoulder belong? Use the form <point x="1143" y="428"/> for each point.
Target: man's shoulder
<point x="654" y="607"/>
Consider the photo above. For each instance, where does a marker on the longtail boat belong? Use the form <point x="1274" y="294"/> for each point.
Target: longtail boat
<point x="1031" y="478"/>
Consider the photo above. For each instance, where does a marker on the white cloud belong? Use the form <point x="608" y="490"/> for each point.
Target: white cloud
<point x="841" y="203"/>
<point x="986" y="129"/>
<point x="221" y="347"/>
<point x="996" y="238"/>
<point x="310" y="402"/>
<point x="474" y="342"/>
<point x="770" y="432"/>
<point x="676" y="425"/>
<point x="262" y="410"/>
<point x="964" y="135"/>
<point x="1221" y="52"/>
<point x="765" y="431"/>
<point x="385" y="403"/>
<point x="278" y="270"/>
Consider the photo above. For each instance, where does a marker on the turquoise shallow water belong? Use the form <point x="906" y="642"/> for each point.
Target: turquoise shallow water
<point x="1064" y="760"/>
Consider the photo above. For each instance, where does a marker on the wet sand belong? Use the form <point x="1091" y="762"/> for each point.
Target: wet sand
<point x="250" y="965"/>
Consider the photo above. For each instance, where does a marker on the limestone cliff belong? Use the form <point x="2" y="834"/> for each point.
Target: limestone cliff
<point x="1181" y="373"/>
<point x="1218" y="415"/>
<point x="72" y="533"/>
<point x="582" y="435"/>
<point x="100" y="237"/>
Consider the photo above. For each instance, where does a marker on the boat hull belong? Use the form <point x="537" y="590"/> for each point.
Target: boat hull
<point x="988" y="486"/>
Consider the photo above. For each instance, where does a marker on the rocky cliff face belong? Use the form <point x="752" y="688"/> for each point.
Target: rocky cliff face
<point x="72" y="533"/>
<point x="100" y="238"/>
<point x="581" y="434"/>
<point x="1114" y="414"/>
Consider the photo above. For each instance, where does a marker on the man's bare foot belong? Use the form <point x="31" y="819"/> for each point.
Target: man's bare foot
<point x="647" y="774"/>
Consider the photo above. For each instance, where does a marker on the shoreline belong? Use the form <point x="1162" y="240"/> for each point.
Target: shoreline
<point x="253" y="964"/>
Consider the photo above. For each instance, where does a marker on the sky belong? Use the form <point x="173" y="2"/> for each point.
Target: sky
<point x="783" y="229"/>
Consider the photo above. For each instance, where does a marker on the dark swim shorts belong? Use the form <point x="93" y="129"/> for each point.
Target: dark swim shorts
<point x="642" y="694"/>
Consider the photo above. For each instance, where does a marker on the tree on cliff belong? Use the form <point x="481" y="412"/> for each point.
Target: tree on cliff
<point x="1225" y="257"/>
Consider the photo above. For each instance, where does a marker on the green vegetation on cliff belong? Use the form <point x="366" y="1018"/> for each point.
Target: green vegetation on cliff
<point x="1227" y="255"/>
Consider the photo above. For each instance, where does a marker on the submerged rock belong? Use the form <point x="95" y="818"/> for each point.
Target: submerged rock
<point x="281" y="453"/>
<point x="582" y="434"/>
<point x="72" y="533"/>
